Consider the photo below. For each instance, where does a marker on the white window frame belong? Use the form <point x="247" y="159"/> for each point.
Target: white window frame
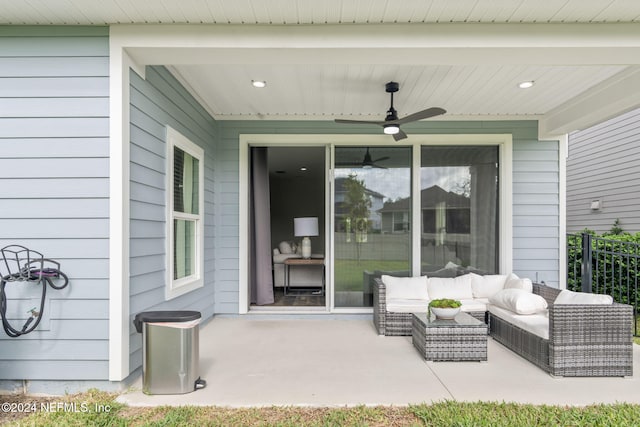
<point x="177" y="287"/>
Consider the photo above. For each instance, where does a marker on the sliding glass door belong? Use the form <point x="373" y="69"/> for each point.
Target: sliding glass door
<point x="372" y="227"/>
<point x="459" y="204"/>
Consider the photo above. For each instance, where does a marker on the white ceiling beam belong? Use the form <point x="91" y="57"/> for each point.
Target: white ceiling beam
<point x="456" y="44"/>
<point x="390" y="56"/>
<point x="613" y="97"/>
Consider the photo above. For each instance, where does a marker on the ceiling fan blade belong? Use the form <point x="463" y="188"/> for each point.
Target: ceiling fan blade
<point x="381" y="159"/>
<point x="424" y="114"/>
<point x="359" y="122"/>
<point x="400" y="135"/>
<point x="379" y="167"/>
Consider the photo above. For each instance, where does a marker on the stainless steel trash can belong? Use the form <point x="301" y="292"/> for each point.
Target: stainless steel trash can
<point x="170" y="351"/>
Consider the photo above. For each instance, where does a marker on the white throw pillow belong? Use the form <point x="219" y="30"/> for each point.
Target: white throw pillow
<point x="519" y="301"/>
<point x="285" y="248"/>
<point x="406" y="287"/>
<point x="581" y="298"/>
<point x="488" y="285"/>
<point x="450" y="287"/>
<point x="514" y="282"/>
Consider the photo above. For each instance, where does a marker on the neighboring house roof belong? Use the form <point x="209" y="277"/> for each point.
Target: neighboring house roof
<point x="430" y="197"/>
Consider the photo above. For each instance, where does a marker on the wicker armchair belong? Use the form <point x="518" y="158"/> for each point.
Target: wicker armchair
<point x="584" y="340"/>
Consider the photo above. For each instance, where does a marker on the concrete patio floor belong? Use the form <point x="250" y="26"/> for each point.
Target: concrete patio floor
<point x="258" y="360"/>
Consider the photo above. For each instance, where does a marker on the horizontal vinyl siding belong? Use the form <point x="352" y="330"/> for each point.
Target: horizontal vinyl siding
<point x="54" y="175"/>
<point x="535" y="193"/>
<point x="604" y="164"/>
<point x="156" y="102"/>
<point x="536" y="210"/>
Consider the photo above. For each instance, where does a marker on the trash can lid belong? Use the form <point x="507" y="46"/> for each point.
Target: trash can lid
<point x="164" y="316"/>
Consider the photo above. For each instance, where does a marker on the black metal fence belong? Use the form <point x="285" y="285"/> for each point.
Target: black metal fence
<point x="604" y="266"/>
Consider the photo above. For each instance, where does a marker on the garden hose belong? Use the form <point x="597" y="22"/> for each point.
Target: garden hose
<point x="34" y="272"/>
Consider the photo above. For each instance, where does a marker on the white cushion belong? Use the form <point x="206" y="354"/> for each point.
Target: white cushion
<point x="488" y="285"/>
<point x="285" y="247"/>
<point x="476" y="304"/>
<point x="569" y="297"/>
<point x="450" y="287"/>
<point x="406" y="287"/>
<point x="519" y="301"/>
<point x="514" y="282"/>
<point x="537" y="324"/>
<point x="399" y="305"/>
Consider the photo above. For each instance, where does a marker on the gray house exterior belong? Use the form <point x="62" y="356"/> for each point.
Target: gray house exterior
<point x="83" y="174"/>
<point x="603" y="175"/>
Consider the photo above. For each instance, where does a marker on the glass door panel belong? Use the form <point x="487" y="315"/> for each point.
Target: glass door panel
<point x="459" y="201"/>
<point x="372" y="229"/>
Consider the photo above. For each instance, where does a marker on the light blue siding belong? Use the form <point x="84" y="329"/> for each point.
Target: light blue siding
<point x="54" y="175"/>
<point x="604" y="164"/>
<point x="156" y="102"/>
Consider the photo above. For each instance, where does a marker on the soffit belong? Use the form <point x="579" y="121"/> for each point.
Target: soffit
<point x="93" y="12"/>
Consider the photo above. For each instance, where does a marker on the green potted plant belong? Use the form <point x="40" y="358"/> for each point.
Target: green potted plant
<point x="445" y="308"/>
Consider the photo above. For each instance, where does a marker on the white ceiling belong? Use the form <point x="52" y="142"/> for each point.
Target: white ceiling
<point x="331" y="58"/>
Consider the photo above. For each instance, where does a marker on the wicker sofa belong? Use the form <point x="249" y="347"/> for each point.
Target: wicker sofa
<point x="583" y="340"/>
<point x="392" y="323"/>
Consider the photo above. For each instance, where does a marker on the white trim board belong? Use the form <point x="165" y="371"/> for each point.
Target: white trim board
<point x="503" y="141"/>
<point x="120" y="64"/>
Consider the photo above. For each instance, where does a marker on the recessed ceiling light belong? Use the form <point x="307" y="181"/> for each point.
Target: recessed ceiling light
<point x="303" y="168"/>
<point x="526" y="85"/>
<point x="258" y="83"/>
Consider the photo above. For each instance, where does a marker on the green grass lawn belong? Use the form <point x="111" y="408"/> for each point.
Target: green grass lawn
<point x="349" y="272"/>
<point x="447" y="413"/>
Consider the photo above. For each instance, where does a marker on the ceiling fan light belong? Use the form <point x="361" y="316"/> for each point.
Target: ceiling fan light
<point x="391" y="129"/>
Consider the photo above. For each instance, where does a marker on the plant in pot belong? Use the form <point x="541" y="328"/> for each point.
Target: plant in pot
<point x="445" y="308"/>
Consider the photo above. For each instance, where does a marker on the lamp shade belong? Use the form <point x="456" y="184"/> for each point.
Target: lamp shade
<point x="303" y="227"/>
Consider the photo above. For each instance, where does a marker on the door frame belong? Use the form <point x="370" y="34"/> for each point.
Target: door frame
<point x="504" y="142"/>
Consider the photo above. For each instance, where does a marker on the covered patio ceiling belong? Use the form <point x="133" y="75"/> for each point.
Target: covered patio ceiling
<point x="325" y="60"/>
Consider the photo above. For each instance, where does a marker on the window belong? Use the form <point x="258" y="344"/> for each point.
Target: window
<point x="185" y="215"/>
<point x="459" y="198"/>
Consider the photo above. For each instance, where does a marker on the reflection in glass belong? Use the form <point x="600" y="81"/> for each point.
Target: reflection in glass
<point x="459" y="200"/>
<point x="185" y="182"/>
<point x="371" y="236"/>
<point x="184" y="247"/>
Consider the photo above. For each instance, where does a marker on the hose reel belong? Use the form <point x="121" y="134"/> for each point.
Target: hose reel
<point x="25" y="265"/>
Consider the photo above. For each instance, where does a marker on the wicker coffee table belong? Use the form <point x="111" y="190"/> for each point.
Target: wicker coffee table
<point x="461" y="339"/>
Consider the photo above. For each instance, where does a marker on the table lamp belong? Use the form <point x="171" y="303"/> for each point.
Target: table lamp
<point x="305" y="227"/>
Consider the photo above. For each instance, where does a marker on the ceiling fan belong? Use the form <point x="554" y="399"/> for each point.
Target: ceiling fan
<point x="391" y="123"/>
<point x="367" y="162"/>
